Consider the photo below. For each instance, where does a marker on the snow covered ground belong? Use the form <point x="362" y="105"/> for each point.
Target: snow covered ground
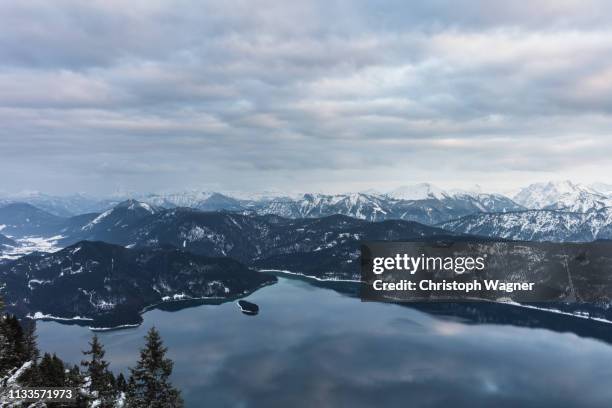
<point x="9" y="382"/>
<point x="28" y="245"/>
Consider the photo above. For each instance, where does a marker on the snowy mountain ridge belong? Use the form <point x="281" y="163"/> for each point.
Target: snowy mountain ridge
<point x="423" y="202"/>
<point x="563" y="195"/>
<point x="421" y="191"/>
<point x="537" y="225"/>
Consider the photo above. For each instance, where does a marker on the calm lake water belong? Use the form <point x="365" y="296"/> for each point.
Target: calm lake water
<point x="312" y="346"/>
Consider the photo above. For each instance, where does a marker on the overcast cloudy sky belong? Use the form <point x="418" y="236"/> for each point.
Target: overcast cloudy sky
<point x="97" y="96"/>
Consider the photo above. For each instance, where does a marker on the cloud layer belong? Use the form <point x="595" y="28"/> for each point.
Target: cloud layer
<point x="330" y="95"/>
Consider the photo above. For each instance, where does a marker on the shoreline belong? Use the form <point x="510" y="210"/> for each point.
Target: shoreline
<point x="199" y="301"/>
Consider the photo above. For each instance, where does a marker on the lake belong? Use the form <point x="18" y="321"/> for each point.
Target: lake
<point x="313" y="346"/>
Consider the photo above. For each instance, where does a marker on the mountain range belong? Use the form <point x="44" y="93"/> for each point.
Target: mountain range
<point x="561" y="211"/>
<point x="151" y="256"/>
<point x="125" y="256"/>
<point x="537" y="225"/>
<point x="245" y="237"/>
<point x="422" y="202"/>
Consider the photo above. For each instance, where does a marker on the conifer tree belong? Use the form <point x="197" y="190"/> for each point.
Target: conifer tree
<point x="51" y="371"/>
<point x="17" y="346"/>
<point x="30" y="347"/>
<point x="96" y="368"/>
<point x="111" y="380"/>
<point x="59" y="371"/>
<point x="15" y="335"/>
<point x="122" y="385"/>
<point x="74" y="379"/>
<point x="150" y="386"/>
<point x="12" y="351"/>
<point x="38" y="375"/>
<point x="5" y="343"/>
<point x="131" y="387"/>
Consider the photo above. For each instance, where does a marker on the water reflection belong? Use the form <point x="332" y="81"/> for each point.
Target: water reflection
<point x="315" y="347"/>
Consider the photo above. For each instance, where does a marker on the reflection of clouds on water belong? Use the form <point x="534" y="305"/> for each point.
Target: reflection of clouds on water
<point x="318" y="348"/>
<point x="393" y="371"/>
<point x="448" y="328"/>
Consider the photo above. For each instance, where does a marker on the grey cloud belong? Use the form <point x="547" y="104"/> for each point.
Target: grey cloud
<point x="320" y="95"/>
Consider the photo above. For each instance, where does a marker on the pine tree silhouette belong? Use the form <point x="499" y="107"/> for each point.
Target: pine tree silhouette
<point x="30" y="347"/>
<point x="122" y="384"/>
<point x="5" y="343"/>
<point x="51" y="370"/>
<point x="100" y="378"/>
<point x="149" y="383"/>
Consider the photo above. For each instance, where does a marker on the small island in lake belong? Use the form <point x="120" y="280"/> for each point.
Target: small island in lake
<point x="248" y="307"/>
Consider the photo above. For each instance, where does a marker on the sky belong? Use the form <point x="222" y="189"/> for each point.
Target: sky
<point x="150" y="96"/>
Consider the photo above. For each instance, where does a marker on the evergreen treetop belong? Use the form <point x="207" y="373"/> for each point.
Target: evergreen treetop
<point x="149" y="383"/>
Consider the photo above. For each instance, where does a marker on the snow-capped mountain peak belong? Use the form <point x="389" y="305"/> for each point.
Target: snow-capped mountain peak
<point x="181" y="199"/>
<point x="134" y="205"/>
<point x="122" y="213"/>
<point x="603" y="188"/>
<point x="562" y="195"/>
<point x="421" y="191"/>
